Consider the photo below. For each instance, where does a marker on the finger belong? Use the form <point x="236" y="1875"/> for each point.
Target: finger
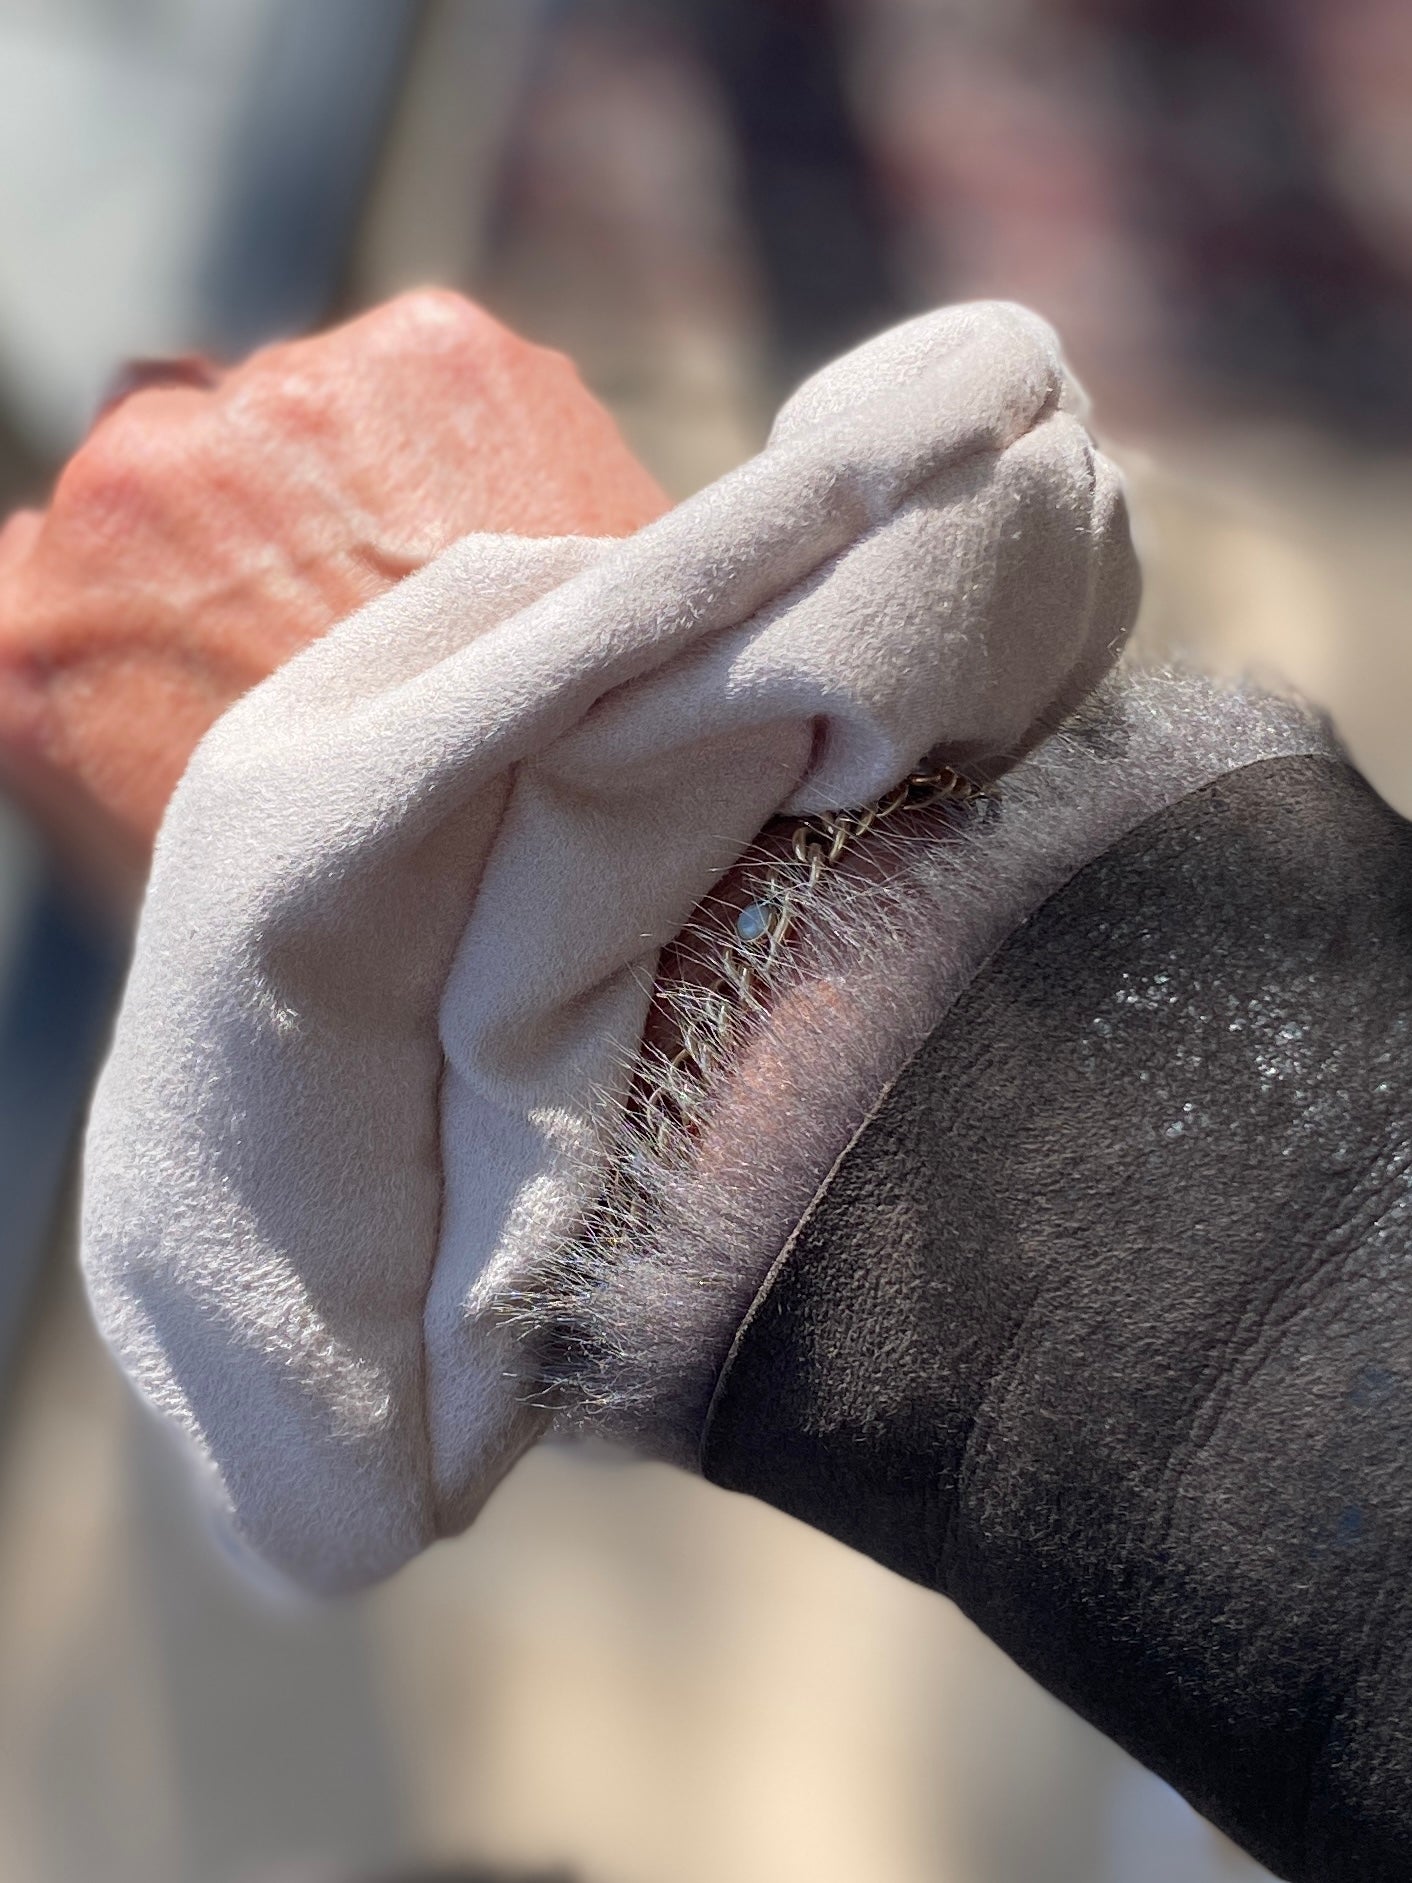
<point x="186" y="369"/>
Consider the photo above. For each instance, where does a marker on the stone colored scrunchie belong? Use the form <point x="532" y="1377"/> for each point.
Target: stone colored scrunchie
<point x="407" y="901"/>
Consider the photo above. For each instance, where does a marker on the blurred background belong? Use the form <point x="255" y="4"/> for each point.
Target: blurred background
<point x="624" y="1676"/>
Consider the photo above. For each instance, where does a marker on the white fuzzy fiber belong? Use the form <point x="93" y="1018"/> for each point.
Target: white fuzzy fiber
<point x="634" y="1329"/>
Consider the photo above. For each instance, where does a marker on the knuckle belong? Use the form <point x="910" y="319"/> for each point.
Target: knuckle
<point x="441" y="321"/>
<point x="289" y="388"/>
<point x="286" y="397"/>
<point x="108" y="475"/>
<point x="425" y="315"/>
<point x="440" y="332"/>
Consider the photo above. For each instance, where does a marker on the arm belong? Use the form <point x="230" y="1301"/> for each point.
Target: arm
<point x="378" y="1050"/>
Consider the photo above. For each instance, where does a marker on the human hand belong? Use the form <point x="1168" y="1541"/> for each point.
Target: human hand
<point x="213" y="524"/>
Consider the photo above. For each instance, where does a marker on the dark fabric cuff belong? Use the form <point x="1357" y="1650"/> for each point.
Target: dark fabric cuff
<point x="1103" y="1325"/>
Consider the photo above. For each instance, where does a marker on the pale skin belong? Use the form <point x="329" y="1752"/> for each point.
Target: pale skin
<point x="216" y="521"/>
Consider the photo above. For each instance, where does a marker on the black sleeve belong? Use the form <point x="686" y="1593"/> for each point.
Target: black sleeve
<point x="1103" y="1326"/>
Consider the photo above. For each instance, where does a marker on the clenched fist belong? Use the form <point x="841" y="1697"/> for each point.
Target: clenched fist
<point x="213" y="524"/>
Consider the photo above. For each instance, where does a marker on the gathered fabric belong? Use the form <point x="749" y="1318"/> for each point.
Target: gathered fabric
<point x="407" y="903"/>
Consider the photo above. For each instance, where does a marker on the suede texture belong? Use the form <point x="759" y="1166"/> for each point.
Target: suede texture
<point x="1103" y="1324"/>
<point x="407" y="902"/>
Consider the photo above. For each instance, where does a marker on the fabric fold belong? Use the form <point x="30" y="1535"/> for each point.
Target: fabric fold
<point x="407" y="902"/>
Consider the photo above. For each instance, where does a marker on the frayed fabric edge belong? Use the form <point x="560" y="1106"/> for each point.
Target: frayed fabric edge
<point x="629" y="1324"/>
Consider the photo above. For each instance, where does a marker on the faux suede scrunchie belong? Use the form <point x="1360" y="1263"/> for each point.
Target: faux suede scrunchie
<point x="407" y="902"/>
